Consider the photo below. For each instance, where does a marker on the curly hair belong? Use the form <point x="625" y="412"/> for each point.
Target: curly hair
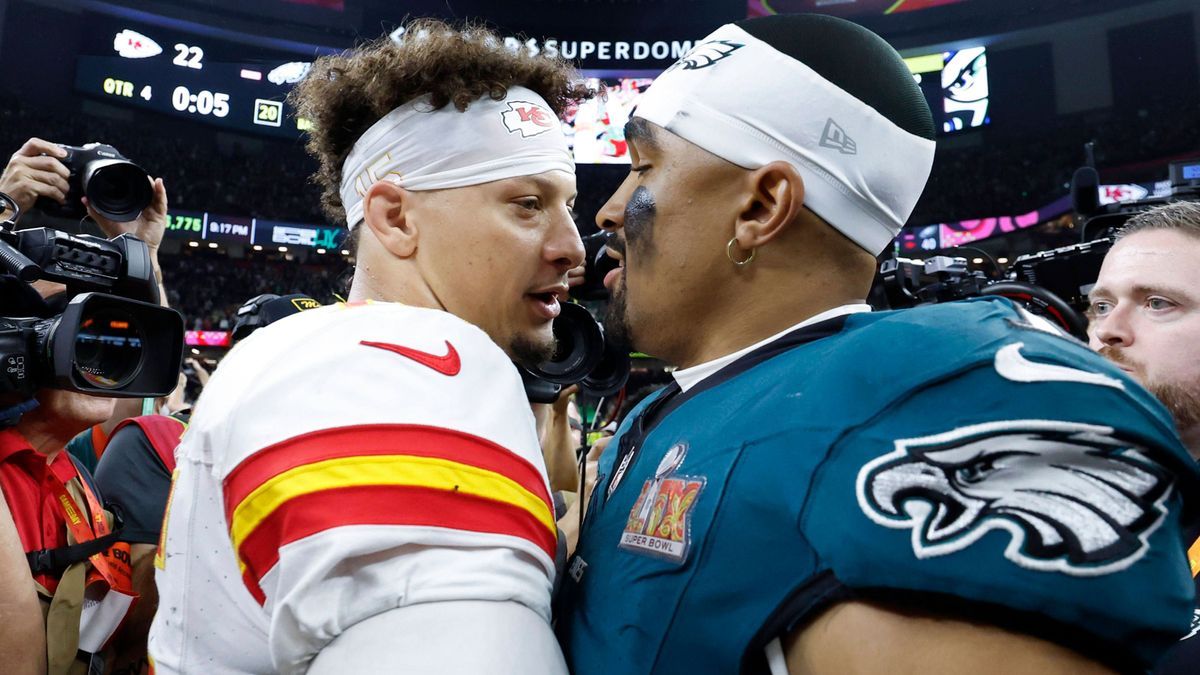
<point x="345" y="94"/>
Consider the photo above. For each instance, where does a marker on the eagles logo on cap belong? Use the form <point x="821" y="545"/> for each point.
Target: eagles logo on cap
<point x="706" y="54"/>
<point x="530" y="119"/>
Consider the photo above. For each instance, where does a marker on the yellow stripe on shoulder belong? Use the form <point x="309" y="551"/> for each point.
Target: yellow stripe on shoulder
<point x="382" y="470"/>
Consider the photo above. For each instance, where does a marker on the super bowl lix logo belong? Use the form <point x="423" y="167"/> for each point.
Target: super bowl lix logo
<point x="660" y="521"/>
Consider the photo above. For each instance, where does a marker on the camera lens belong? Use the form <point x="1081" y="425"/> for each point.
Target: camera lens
<point x="578" y="346"/>
<point x="108" y="348"/>
<point x="118" y="190"/>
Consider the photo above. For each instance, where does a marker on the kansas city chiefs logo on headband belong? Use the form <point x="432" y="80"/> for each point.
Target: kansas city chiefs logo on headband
<point x="530" y="119"/>
<point x="706" y="54"/>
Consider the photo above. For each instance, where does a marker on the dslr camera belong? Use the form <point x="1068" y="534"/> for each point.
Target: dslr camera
<point x="109" y="338"/>
<point x="117" y="188"/>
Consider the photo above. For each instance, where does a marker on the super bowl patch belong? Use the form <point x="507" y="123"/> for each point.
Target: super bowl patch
<point x="660" y="521"/>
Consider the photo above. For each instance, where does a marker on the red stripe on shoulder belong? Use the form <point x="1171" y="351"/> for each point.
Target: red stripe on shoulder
<point x="379" y="439"/>
<point x="316" y="512"/>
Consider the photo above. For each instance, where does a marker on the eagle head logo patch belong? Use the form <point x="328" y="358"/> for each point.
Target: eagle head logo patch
<point x="1073" y="498"/>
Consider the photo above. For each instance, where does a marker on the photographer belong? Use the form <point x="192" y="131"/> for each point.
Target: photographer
<point x="1144" y="315"/>
<point x="37" y="171"/>
<point x="46" y="490"/>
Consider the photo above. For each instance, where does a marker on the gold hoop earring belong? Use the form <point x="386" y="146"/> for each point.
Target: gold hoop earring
<point x="729" y="254"/>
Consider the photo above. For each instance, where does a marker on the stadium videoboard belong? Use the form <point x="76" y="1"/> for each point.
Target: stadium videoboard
<point x="955" y="85"/>
<point x="191" y="75"/>
<point x="202" y="74"/>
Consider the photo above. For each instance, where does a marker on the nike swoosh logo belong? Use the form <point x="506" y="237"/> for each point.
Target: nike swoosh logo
<point x="449" y="364"/>
<point x="1012" y="365"/>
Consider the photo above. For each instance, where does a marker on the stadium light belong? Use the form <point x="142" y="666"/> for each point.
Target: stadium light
<point x="978" y="261"/>
<point x="212" y="244"/>
<point x="258" y="247"/>
<point x="193" y="244"/>
<point x="283" y="249"/>
<point x="321" y="250"/>
<point x="345" y="252"/>
<point x="1002" y="261"/>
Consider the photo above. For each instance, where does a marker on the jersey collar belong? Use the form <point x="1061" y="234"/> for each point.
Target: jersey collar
<point x="690" y="377"/>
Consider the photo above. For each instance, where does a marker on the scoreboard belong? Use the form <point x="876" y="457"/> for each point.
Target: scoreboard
<point x="230" y="229"/>
<point x="210" y="75"/>
<point x="195" y="75"/>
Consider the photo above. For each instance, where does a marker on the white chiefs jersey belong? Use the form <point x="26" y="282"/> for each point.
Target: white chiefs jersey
<point x="341" y="463"/>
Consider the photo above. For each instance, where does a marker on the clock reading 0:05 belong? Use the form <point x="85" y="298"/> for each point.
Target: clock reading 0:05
<point x="203" y="102"/>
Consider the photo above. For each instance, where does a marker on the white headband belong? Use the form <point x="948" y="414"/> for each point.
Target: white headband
<point x="741" y="99"/>
<point x="420" y="148"/>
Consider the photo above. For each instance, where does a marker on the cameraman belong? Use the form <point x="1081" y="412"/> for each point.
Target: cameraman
<point x="45" y="490"/>
<point x="36" y="171"/>
<point x="1145" y="317"/>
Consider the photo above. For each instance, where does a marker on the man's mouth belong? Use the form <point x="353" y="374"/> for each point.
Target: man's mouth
<point x="610" y="279"/>
<point x="547" y="301"/>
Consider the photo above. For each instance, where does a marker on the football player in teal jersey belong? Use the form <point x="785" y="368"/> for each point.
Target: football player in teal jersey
<point x="826" y="489"/>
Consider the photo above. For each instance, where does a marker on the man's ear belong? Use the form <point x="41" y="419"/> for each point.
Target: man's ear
<point x="385" y="211"/>
<point x="774" y="199"/>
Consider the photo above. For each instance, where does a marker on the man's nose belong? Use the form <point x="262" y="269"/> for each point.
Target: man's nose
<point x="565" y="248"/>
<point x="1113" y="329"/>
<point x="611" y="216"/>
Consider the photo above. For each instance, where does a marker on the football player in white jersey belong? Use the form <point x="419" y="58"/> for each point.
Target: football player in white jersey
<point x="361" y="488"/>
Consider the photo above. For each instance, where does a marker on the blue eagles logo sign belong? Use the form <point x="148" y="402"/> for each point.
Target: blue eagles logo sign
<point x="706" y="54"/>
<point x="1073" y="497"/>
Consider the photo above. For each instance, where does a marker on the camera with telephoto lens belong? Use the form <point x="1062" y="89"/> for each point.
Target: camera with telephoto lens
<point x="582" y="356"/>
<point x="111" y="338"/>
<point x="117" y="188"/>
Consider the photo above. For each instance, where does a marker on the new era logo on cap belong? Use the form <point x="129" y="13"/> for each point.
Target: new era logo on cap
<point x="528" y="118"/>
<point x="835" y="137"/>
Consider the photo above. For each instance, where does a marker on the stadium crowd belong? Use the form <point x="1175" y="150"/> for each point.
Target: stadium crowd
<point x="375" y="481"/>
<point x="209" y="287"/>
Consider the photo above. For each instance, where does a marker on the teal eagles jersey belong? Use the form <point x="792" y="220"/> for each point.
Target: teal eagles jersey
<point x="952" y="458"/>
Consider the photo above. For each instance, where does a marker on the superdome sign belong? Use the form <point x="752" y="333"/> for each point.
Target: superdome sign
<point x="608" y="36"/>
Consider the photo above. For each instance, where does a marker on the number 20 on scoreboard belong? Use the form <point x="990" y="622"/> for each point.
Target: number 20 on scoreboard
<point x="268" y="113"/>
